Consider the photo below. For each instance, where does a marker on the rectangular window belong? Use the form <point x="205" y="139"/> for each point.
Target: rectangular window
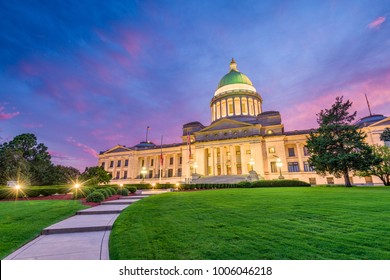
<point x="239" y="169"/>
<point x="125" y="175"/>
<point x="218" y="110"/>
<point x="305" y="152"/>
<point x="312" y="181"/>
<point x="271" y="150"/>
<point x="291" y="152"/>
<point x="244" y="106"/>
<point x="274" y="168"/>
<point x="237" y="106"/>
<point x="170" y="172"/>
<point x="118" y="175"/>
<point x="230" y="107"/>
<point x="103" y="164"/>
<point x="330" y="180"/>
<point x="119" y="163"/>
<point x="368" y="179"/>
<point x="152" y="162"/>
<point x="293" y="167"/>
<point x="307" y="167"/>
<point x="171" y="161"/>
<point x="111" y="164"/>
<point x="150" y="174"/>
<point x="223" y="108"/>
<point x="179" y="172"/>
<point x="143" y="163"/>
<point x="251" y="109"/>
<point x="180" y="160"/>
<point x="126" y="162"/>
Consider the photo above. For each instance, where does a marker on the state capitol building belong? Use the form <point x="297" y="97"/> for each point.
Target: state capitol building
<point x="241" y="143"/>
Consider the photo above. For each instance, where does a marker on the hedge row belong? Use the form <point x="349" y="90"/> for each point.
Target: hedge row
<point x="255" y="184"/>
<point x="32" y="191"/>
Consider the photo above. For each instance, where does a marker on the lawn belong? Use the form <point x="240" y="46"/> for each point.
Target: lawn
<point x="264" y="223"/>
<point x="22" y="221"/>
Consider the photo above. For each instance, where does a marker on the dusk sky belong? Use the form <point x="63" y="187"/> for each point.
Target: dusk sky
<point x="84" y="76"/>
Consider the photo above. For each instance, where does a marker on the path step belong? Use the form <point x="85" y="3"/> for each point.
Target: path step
<point x="133" y="197"/>
<point x="82" y="223"/>
<point x="103" y="209"/>
<point x="120" y="201"/>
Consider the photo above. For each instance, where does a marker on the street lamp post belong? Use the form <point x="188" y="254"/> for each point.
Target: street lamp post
<point x="251" y="163"/>
<point x="143" y="172"/>
<point x="279" y="164"/>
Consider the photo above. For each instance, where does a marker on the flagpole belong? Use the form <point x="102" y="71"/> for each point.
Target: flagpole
<point x="147" y="132"/>
<point x="161" y="161"/>
<point x="189" y="157"/>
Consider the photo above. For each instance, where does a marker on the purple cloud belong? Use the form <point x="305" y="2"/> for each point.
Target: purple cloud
<point x="378" y="22"/>
<point x="7" y="116"/>
<point x="85" y="148"/>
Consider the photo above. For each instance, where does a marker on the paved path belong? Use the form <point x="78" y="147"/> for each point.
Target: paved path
<point x="81" y="237"/>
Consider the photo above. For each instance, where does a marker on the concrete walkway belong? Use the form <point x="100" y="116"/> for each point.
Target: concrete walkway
<point x="81" y="237"/>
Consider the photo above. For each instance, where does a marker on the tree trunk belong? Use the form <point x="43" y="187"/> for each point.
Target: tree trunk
<point x="346" y="179"/>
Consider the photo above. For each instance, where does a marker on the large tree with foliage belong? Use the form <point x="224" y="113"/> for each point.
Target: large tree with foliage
<point x="95" y="175"/>
<point x="64" y="174"/>
<point x="381" y="170"/>
<point x="385" y="136"/>
<point x="23" y="156"/>
<point x="337" y="147"/>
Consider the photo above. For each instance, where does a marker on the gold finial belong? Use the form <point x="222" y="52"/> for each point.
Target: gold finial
<point x="233" y="65"/>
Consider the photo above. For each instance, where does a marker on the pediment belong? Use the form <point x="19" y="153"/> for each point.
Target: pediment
<point x="117" y="149"/>
<point x="225" y="124"/>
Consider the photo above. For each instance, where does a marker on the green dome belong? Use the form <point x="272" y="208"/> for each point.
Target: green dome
<point x="234" y="77"/>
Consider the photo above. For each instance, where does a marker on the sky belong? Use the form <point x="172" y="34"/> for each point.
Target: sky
<point x="84" y="76"/>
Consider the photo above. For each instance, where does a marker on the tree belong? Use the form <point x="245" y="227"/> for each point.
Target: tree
<point x="337" y="147"/>
<point x="37" y="156"/>
<point x="95" y="175"/>
<point x="13" y="166"/>
<point x="381" y="170"/>
<point x="63" y="175"/>
<point x="385" y="136"/>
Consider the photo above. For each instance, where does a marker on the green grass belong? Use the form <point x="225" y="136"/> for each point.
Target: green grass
<point x="22" y="221"/>
<point x="269" y="223"/>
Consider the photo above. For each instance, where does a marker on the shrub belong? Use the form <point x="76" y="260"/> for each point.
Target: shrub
<point x="48" y="191"/>
<point x="32" y="192"/>
<point x="104" y="192"/>
<point x="111" y="190"/>
<point x="95" y="196"/>
<point x="279" y="183"/>
<point x="131" y="189"/>
<point x="244" y="184"/>
<point x="10" y="193"/>
<point x="123" y="192"/>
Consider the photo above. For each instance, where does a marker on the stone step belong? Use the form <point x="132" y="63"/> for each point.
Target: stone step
<point x="133" y="197"/>
<point x="82" y="223"/>
<point x="120" y="201"/>
<point x="103" y="209"/>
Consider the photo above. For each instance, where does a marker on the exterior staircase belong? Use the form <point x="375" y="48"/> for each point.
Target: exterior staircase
<point x="226" y="179"/>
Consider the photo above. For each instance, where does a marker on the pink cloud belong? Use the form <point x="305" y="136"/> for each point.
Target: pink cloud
<point x="377" y="22"/>
<point x="304" y="114"/>
<point x="6" y="116"/>
<point x="85" y="148"/>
